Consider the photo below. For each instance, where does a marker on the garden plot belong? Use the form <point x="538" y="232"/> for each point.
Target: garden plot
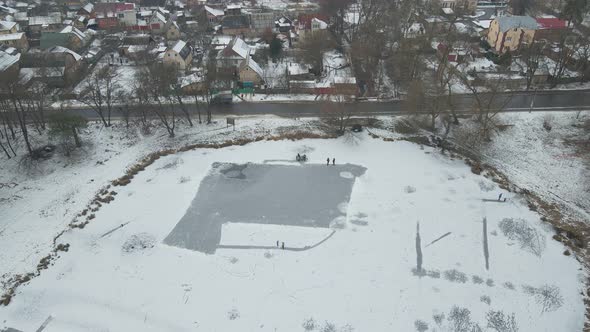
<point x="422" y="246"/>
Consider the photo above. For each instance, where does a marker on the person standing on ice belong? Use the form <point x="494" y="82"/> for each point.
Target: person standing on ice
<point x="328" y="162"/>
<point x="333" y="161"/>
<point x="283" y="245"/>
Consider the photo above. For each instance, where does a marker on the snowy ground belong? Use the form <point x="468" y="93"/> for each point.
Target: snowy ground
<point x="374" y="273"/>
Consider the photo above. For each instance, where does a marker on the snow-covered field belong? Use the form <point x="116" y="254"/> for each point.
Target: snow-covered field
<point x="412" y="251"/>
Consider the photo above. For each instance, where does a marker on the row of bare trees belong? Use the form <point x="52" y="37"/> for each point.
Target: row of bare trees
<point x="157" y="92"/>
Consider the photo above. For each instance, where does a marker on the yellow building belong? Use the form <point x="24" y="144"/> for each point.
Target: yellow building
<point x="508" y="33"/>
<point x="179" y="56"/>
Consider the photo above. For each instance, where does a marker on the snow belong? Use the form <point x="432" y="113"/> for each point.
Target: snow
<point x="361" y="277"/>
<point x="526" y="144"/>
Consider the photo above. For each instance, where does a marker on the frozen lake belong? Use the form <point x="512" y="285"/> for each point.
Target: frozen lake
<point x="309" y="195"/>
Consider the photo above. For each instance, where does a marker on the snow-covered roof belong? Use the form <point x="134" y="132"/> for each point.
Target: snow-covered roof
<point x="511" y="22"/>
<point x="240" y="47"/>
<point x="214" y="11"/>
<point x="6" y="25"/>
<point x="483" y="23"/>
<point x="250" y="63"/>
<point x="179" y="46"/>
<point x="448" y="11"/>
<point x="182" y="49"/>
<point x="73" y="30"/>
<point x="8" y="59"/>
<point x="344" y="80"/>
<point x="61" y="49"/>
<point x="234" y="7"/>
<point x="88" y="8"/>
<point x="160" y="17"/>
<point x="12" y="36"/>
<point x="191" y="79"/>
<point x="322" y="24"/>
<point x="44" y="20"/>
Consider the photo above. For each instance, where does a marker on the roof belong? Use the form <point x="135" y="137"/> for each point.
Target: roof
<point x="113" y="7"/>
<point x="8" y="59"/>
<point x="250" y="63"/>
<point x="239" y="47"/>
<point x="512" y="22"/>
<point x="44" y="20"/>
<point x="6" y="25"/>
<point x="234" y="7"/>
<point x="344" y="80"/>
<point x="88" y="8"/>
<point x="61" y="49"/>
<point x="304" y="20"/>
<point x="70" y="29"/>
<point x="160" y="16"/>
<point x="235" y="22"/>
<point x="191" y="79"/>
<point x="483" y="23"/>
<point x="323" y="25"/>
<point x="182" y="49"/>
<point x="551" y="23"/>
<point x="214" y="11"/>
<point x="12" y="36"/>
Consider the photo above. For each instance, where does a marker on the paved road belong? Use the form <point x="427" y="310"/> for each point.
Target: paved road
<point x="566" y="100"/>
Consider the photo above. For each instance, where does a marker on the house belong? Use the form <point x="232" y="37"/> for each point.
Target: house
<point x="415" y="30"/>
<point x="7" y="27"/>
<point x="304" y="20"/>
<point x="284" y="24"/>
<point x="86" y="11"/>
<point x="214" y="15"/>
<point x="69" y="37"/>
<point x="158" y="22"/>
<point x="466" y="5"/>
<point x="172" y="31"/>
<point x="250" y="73"/>
<point x="9" y="62"/>
<point x="17" y="40"/>
<point x="195" y="3"/>
<point x="551" y="29"/>
<point x="237" y="25"/>
<point x="233" y="54"/>
<point x="261" y="21"/>
<point x="508" y="33"/>
<point x="37" y="24"/>
<point x="192" y="84"/>
<point x="58" y="67"/>
<point x="317" y="24"/>
<point x="233" y="10"/>
<point x="137" y="46"/>
<point x="111" y="15"/>
<point x="179" y="56"/>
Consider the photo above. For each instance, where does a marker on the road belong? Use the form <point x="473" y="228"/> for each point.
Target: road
<point x="560" y="100"/>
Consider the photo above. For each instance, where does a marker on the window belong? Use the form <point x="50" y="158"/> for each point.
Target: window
<point x="121" y="16"/>
<point x="509" y="39"/>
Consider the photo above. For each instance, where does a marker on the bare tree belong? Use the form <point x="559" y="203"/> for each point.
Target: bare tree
<point x="313" y="46"/>
<point x="530" y="61"/>
<point x="65" y="127"/>
<point x="100" y="92"/>
<point x="336" y="9"/>
<point x="15" y="93"/>
<point x="566" y="50"/>
<point x="489" y="100"/>
<point x="156" y="84"/>
<point x="336" y="112"/>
